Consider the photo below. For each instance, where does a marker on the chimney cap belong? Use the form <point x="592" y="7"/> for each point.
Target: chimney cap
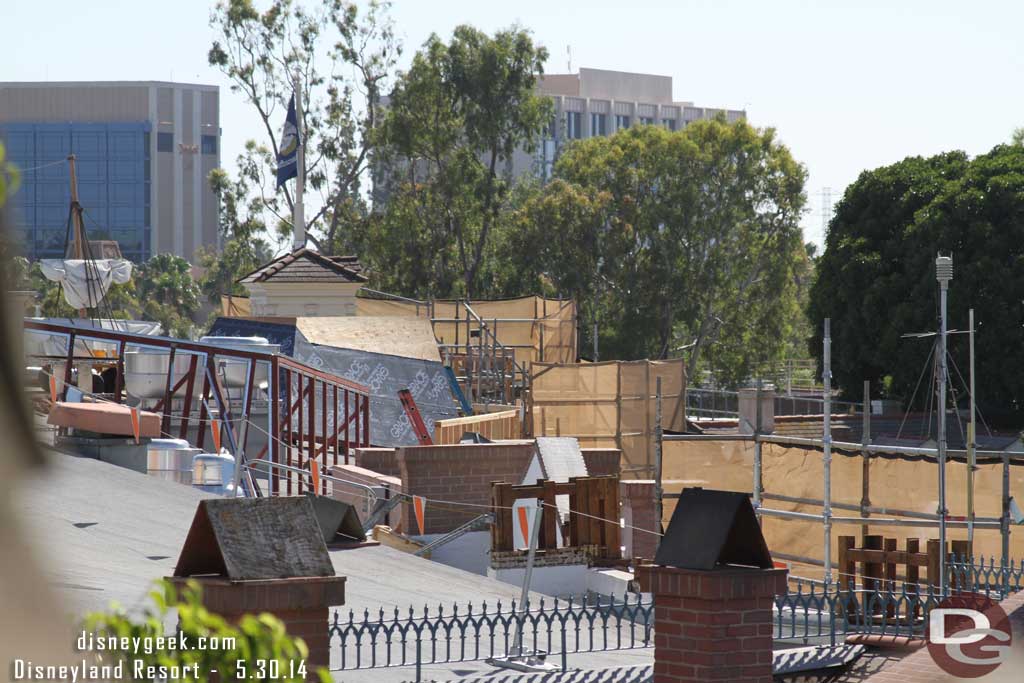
<point x="712" y="529"/>
<point x="244" y="539"/>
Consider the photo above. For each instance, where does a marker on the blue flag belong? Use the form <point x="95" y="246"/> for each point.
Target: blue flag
<point x="288" y="152"/>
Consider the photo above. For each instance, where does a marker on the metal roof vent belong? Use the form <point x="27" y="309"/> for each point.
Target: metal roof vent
<point x="712" y="529"/>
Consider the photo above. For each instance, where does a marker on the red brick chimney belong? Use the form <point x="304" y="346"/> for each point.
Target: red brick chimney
<point x="301" y="603"/>
<point x="714" y="585"/>
<point x="233" y="550"/>
<point x="712" y="625"/>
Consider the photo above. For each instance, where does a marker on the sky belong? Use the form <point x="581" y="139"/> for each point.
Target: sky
<point x="848" y="86"/>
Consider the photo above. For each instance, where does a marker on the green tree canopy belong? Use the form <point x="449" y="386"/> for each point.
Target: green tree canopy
<point x="453" y="122"/>
<point x="673" y="239"/>
<point x="876" y="278"/>
<point x="167" y="293"/>
<point x="344" y="56"/>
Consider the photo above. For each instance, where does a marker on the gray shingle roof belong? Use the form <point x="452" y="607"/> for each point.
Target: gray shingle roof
<point x="306" y="265"/>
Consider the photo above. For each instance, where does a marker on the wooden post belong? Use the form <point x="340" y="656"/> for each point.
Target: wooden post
<point x="574" y="519"/>
<point x="872" y="570"/>
<point x="913" y="577"/>
<point x="889" y="545"/>
<point x="961" y="551"/>
<point x="934" y="563"/>
<point x="550" y="516"/>
<point x="611" y="512"/>
<point x="847" y="577"/>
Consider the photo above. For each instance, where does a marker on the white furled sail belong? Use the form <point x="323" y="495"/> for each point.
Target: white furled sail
<point x="86" y="282"/>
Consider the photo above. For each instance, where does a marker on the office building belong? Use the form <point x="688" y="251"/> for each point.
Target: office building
<point x="598" y="102"/>
<point x="143" y="153"/>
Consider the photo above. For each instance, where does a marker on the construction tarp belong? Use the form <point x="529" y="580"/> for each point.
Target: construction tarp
<point x="535" y="328"/>
<point x="895" y="483"/>
<point x="609" y="405"/>
<point x="235" y="306"/>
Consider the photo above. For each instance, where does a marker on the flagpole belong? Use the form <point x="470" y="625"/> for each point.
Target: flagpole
<point x="298" y="213"/>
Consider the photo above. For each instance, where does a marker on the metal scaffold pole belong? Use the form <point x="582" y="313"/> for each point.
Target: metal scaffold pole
<point x="944" y="273"/>
<point x="826" y="516"/>
<point x="972" y="444"/>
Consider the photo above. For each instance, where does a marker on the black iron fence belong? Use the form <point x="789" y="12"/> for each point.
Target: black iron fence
<point x="808" y="614"/>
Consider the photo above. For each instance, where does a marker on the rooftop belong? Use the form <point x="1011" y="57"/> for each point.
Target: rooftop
<point x="306" y="265"/>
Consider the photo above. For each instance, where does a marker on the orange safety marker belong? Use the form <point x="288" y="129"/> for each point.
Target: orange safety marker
<point x="53" y="389"/>
<point x="314" y="468"/>
<point x="215" y="427"/>
<point x="524" y="526"/>
<point x="135" y="423"/>
<point x="418" y="503"/>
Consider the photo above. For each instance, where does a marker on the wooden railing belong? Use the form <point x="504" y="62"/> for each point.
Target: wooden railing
<point x="593" y="515"/>
<point x="494" y="426"/>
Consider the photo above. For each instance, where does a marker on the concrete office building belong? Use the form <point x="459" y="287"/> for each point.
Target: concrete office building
<point x="143" y="149"/>
<point x="598" y="102"/>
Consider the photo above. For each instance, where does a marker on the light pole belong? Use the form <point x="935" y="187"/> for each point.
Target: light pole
<point x="943" y="273"/>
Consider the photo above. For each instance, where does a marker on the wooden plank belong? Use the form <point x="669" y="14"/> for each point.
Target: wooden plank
<point x="913" y="578"/>
<point x="961" y="551"/>
<point x="385" y="535"/>
<point x="872" y="570"/>
<point x="613" y="512"/>
<point x="847" y="577"/>
<point x="889" y="545"/>
<point x="583" y="506"/>
<point x="881" y="556"/>
<point x="574" y="518"/>
<point x="594" y="506"/>
<point x="549" y="516"/>
<point x="934" y="562"/>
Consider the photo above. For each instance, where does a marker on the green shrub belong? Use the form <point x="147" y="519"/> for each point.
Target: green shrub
<point x="257" y="648"/>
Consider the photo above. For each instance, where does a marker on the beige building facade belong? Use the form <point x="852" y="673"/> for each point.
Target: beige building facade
<point x="596" y="102"/>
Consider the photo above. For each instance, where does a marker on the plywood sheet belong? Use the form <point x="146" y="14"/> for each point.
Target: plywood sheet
<point x="407" y="337"/>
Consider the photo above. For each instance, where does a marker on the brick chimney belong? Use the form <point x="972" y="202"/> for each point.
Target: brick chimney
<point x="712" y="625"/>
<point x="714" y="585"/>
<point x="233" y="552"/>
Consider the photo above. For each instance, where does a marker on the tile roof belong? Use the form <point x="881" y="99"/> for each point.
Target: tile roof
<point x="306" y="265"/>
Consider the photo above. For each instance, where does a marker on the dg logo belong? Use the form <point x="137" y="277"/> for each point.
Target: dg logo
<point x="969" y="635"/>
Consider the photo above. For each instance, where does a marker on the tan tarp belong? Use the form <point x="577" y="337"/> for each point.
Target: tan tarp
<point x="894" y="483"/>
<point x="609" y="405"/>
<point x="235" y="306"/>
<point x="537" y="329"/>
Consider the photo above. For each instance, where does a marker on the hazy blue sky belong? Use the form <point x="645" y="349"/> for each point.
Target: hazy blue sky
<point x="848" y="85"/>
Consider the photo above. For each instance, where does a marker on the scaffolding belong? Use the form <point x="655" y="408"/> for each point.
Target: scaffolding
<point x="771" y="468"/>
<point x="489" y="345"/>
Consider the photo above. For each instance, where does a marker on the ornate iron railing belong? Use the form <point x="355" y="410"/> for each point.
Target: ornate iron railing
<point x="440" y="636"/>
<point x="809" y="613"/>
